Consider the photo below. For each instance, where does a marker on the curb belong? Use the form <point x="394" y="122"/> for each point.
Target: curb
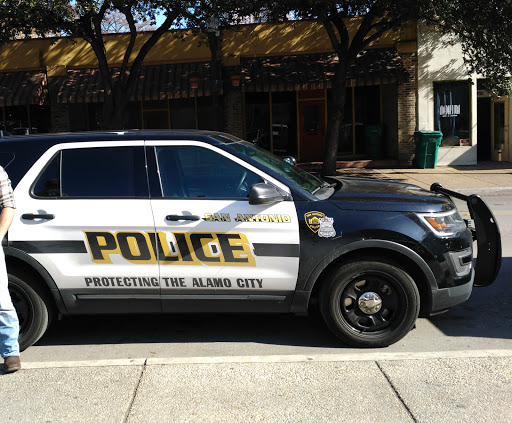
<point x="378" y="356"/>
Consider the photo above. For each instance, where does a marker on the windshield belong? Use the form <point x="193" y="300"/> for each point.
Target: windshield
<point x="302" y="178"/>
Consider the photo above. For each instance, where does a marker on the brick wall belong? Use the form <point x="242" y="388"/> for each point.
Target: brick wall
<point x="233" y="111"/>
<point x="408" y="110"/>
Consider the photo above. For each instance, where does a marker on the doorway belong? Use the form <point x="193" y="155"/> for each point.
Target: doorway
<point x="483" y="134"/>
<point x="312" y="124"/>
<point x="499" y="129"/>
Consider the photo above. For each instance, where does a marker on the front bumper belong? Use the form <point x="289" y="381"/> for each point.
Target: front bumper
<point x="444" y="298"/>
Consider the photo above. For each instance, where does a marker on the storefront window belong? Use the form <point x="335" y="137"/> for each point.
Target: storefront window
<point x="257" y="119"/>
<point x="21" y="120"/>
<point x="367" y="112"/>
<point x="451" y="112"/>
<point x="284" y="123"/>
<point x="346" y="140"/>
<point x="183" y="113"/>
<point x="209" y="113"/>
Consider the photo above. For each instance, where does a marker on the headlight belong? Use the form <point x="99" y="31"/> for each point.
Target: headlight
<point x="444" y="224"/>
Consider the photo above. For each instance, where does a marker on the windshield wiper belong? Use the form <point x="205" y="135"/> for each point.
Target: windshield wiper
<point x="325" y="185"/>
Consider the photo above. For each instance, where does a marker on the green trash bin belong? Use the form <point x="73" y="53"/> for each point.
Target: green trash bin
<point x="427" y="147"/>
<point x="373" y="141"/>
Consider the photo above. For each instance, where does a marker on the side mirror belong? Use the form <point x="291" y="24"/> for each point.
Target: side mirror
<point x="290" y="160"/>
<point x="265" y="194"/>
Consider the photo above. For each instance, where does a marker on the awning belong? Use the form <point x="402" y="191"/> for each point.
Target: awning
<point x="22" y="88"/>
<point x="315" y="71"/>
<point x="161" y="82"/>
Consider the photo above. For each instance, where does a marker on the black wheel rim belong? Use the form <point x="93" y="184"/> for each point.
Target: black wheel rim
<point x="392" y="311"/>
<point x="24" y="307"/>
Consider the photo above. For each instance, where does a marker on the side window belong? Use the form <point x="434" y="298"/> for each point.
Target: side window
<point x="104" y="172"/>
<point x="201" y="173"/>
<point x="48" y="183"/>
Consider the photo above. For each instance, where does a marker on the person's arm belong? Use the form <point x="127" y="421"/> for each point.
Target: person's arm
<point x="6" y="217"/>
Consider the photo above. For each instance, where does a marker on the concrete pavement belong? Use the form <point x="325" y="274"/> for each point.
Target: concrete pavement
<point x="464" y="386"/>
<point x="459" y="386"/>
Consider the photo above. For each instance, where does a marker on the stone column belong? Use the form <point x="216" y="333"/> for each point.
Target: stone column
<point x="408" y="110"/>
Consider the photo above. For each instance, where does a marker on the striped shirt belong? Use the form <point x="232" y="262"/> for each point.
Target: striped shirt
<point x="6" y="194"/>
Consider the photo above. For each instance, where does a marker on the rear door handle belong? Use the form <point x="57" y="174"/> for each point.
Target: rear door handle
<point x="176" y="217"/>
<point x="30" y="216"/>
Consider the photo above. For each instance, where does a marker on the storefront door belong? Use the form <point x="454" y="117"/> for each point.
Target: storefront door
<point x="499" y="129"/>
<point x="312" y="125"/>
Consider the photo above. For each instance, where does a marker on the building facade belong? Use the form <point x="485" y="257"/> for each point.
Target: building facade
<point x="273" y="89"/>
<point x="475" y="126"/>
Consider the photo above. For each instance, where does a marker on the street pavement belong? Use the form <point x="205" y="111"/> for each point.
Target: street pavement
<point x="446" y="387"/>
<point x="486" y="177"/>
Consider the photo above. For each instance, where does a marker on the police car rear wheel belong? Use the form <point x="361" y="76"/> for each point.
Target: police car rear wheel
<point x="32" y="308"/>
<point x="370" y="303"/>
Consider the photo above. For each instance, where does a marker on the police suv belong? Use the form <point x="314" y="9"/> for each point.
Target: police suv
<point x="196" y="221"/>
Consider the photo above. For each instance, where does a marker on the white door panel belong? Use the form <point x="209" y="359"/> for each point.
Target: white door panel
<point x="75" y="267"/>
<point x="245" y="246"/>
<point x="96" y="245"/>
<point x="212" y="241"/>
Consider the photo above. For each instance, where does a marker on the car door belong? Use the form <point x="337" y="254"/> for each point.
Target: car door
<point x="85" y="218"/>
<point x="216" y="251"/>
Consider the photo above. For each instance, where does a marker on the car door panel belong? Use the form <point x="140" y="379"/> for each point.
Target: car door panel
<point x="223" y="249"/>
<point x="96" y="249"/>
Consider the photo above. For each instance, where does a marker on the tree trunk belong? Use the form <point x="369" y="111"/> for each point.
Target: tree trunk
<point x="115" y="105"/>
<point x="114" y="113"/>
<point x="335" y="120"/>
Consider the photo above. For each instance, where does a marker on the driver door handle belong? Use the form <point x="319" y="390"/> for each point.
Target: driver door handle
<point x="31" y="216"/>
<point x="176" y="217"/>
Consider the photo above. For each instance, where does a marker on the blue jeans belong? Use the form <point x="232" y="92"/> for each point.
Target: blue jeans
<point x="9" y="325"/>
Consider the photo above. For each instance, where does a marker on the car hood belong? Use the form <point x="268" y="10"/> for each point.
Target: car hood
<point x="369" y="194"/>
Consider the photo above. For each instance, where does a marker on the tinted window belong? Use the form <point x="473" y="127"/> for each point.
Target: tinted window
<point x="95" y="172"/>
<point x="48" y="183"/>
<point x="202" y="173"/>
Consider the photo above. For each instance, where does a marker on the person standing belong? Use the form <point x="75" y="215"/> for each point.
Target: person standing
<point x="9" y="324"/>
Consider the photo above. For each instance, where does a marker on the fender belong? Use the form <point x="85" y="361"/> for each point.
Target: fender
<point x="40" y="270"/>
<point x="302" y="294"/>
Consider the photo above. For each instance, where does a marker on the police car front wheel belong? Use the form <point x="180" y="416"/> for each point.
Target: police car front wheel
<point x="32" y="307"/>
<point x="370" y="303"/>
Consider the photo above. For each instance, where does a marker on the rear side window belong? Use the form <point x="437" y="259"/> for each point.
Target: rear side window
<point x="105" y="172"/>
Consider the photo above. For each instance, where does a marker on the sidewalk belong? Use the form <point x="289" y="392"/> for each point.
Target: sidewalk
<point x="493" y="177"/>
<point x="463" y="386"/>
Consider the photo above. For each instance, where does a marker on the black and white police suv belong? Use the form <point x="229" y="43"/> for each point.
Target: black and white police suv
<point x="195" y="221"/>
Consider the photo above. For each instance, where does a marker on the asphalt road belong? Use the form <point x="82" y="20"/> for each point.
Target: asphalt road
<point x="484" y="322"/>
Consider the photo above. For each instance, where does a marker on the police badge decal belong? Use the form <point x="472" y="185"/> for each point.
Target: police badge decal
<point x="326" y="229"/>
<point x="319" y="222"/>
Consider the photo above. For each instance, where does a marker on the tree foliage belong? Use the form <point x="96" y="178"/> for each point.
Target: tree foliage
<point x="26" y="19"/>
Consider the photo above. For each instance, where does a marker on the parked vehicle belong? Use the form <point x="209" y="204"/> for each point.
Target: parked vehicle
<point x="196" y="222"/>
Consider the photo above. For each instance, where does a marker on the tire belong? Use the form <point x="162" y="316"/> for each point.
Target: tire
<point x="357" y="320"/>
<point x="33" y="309"/>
